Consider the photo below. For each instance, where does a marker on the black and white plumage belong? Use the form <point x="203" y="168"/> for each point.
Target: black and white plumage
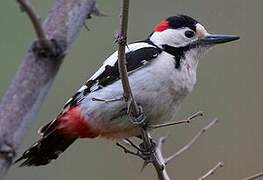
<point x="162" y="72"/>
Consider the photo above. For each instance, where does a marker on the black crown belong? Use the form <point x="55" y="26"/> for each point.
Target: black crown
<point x="181" y="21"/>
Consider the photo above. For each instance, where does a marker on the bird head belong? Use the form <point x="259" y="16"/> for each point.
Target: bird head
<point x="186" y="33"/>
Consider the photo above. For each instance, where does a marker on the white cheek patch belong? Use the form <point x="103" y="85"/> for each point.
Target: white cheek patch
<point x="172" y="37"/>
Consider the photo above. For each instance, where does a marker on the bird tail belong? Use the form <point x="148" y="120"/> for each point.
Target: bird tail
<point x="49" y="147"/>
<point x="56" y="137"/>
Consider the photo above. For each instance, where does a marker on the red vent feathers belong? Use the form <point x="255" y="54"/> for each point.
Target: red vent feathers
<point x="72" y="123"/>
<point x="163" y="25"/>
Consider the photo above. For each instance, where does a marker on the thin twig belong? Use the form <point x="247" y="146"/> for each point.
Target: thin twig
<point x="149" y="151"/>
<point x="189" y="145"/>
<point x="135" y="112"/>
<point x="133" y="108"/>
<point x="256" y="176"/>
<point x="155" y="155"/>
<point x="36" y="22"/>
<point x="160" y="142"/>
<point x="197" y="114"/>
<point x="126" y="150"/>
<point x="129" y="142"/>
<point x="188" y="120"/>
<point x="212" y="171"/>
<point x="162" y="173"/>
<point x="107" y="100"/>
<point x="98" y="12"/>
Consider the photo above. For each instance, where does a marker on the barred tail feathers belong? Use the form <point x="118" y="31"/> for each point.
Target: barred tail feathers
<point x="46" y="149"/>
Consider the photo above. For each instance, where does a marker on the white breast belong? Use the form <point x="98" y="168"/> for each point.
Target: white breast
<point x="158" y="87"/>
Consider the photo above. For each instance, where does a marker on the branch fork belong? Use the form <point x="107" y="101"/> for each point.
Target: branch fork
<point x="37" y="71"/>
<point x="53" y="49"/>
<point x="151" y="151"/>
<point x="148" y="150"/>
<point x="43" y="47"/>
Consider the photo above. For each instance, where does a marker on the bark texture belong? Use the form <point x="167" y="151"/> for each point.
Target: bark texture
<point x="35" y="75"/>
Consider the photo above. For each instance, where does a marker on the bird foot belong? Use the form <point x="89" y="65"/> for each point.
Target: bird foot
<point x="137" y="120"/>
<point x="140" y="150"/>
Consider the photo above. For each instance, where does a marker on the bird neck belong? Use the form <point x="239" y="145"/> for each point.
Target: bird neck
<point x="181" y="54"/>
<point x="191" y="59"/>
<point x="178" y="53"/>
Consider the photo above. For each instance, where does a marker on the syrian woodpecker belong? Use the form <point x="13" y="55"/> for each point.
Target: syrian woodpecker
<point x="162" y="72"/>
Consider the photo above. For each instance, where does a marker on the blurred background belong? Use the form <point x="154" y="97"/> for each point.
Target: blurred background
<point x="229" y="87"/>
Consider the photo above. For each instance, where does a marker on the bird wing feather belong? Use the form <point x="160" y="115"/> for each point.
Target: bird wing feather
<point x="138" y="54"/>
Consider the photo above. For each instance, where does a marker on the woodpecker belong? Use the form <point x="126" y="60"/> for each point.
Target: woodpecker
<point x="162" y="72"/>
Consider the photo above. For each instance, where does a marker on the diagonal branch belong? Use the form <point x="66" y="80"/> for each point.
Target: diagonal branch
<point x="253" y="177"/>
<point x="189" y="145"/>
<point x="153" y="153"/>
<point x="35" y="75"/>
<point x="212" y="171"/>
<point x="188" y="120"/>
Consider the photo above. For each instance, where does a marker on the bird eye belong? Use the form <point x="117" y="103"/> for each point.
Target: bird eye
<point x="189" y="34"/>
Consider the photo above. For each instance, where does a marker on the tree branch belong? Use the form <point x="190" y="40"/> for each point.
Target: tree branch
<point x="189" y="145"/>
<point x="35" y="75"/>
<point x="135" y="112"/>
<point x="153" y="154"/>
<point x="188" y="120"/>
<point x="133" y="109"/>
<point x="161" y="166"/>
<point x="212" y="171"/>
<point x="256" y="176"/>
<point x="149" y="151"/>
<point x="36" y="22"/>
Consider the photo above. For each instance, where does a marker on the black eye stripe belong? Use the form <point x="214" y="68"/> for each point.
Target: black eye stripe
<point x="189" y="34"/>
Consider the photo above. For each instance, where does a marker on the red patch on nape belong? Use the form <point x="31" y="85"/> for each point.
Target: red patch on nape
<point x="163" y="25"/>
<point x="72" y="123"/>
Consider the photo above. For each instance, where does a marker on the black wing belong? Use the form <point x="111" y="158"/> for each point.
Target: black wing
<point x="137" y="55"/>
<point x="109" y="72"/>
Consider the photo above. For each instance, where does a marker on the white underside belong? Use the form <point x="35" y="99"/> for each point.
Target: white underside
<point x="159" y="88"/>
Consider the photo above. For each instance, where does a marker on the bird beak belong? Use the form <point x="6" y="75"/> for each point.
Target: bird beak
<point x="213" y="39"/>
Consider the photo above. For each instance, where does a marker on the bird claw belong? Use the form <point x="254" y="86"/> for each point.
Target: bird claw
<point x="139" y="120"/>
<point x="119" y="38"/>
<point x="141" y="151"/>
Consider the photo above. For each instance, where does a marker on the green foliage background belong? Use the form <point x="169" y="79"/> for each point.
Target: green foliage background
<point x="229" y="87"/>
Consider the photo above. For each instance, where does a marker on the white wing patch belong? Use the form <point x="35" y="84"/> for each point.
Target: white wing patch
<point x="82" y="88"/>
<point x="110" y="61"/>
